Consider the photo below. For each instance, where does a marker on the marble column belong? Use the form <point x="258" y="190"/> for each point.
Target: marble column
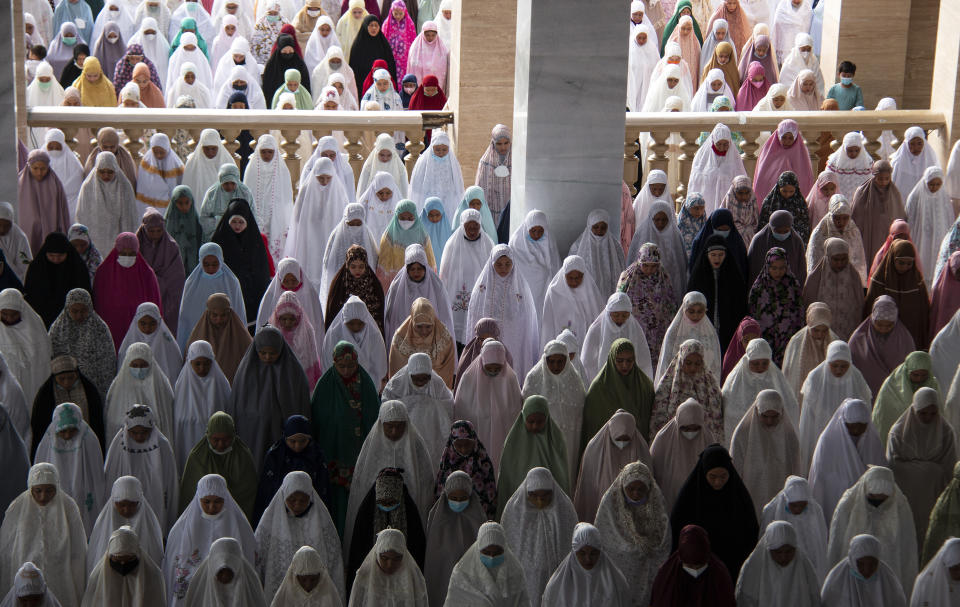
<point x="481" y="75"/>
<point x="13" y="62"/>
<point x="568" y="112"/>
<point x="921" y="48"/>
<point x="945" y="92"/>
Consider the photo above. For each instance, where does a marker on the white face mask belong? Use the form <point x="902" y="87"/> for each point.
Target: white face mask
<point x="406" y="224"/>
<point x="805" y="54"/>
<point x="313" y="12"/>
<point x="694" y="572"/>
<point x="150" y="37"/>
<point x="690" y="435"/>
<point x="126" y="261"/>
<point x="621" y="443"/>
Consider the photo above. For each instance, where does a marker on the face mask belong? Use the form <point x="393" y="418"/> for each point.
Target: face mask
<point x="846" y="81"/>
<point x="491" y="562"/>
<point x="689" y="434"/>
<point x="458" y="506"/>
<point x="191" y="7"/>
<point x="639" y="502"/>
<point x="273" y="18"/>
<point x="694" y="572"/>
<point x="210" y="517"/>
<point x="69" y="40"/>
<point x="126" y="261"/>
<point x="45" y="86"/>
<point x="756" y="84"/>
<point x="124" y="568"/>
<point x="723" y="233"/>
<point x="224" y="452"/>
<point x="383" y="508"/>
<point x="805" y="55"/>
<point x="114" y="12"/>
<point x="112" y="39"/>
<point x="406" y="224"/>
<point x="621" y="443"/>
<point x="139" y="372"/>
<point x="335" y="65"/>
<point x="313" y="12"/>
<point x="781" y="237"/>
<point x="150" y="37"/>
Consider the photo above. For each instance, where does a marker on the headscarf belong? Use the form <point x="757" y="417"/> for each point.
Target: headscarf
<point x="41" y="205"/>
<point x="49" y="537"/>
<point x="95" y="94"/>
<point x="439" y="345"/>
<point x="164" y="258"/>
<point x="137" y="282"/>
<point x="930" y="216"/>
<point x="907" y="290"/>
<point x="195" y="535"/>
<point x="846" y="586"/>
<point x="14" y="244"/>
<point x="538" y="260"/>
<point x="908" y="170"/>
<point x="875" y="208"/>
<point x="611" y="391"/>
<point x="736" y="249"/>
<point x="25" y="345"/>
<point x="827" y="228"/>
<point x="731" y="73"/>
<point x="751" y="92"/>
<point x="806" y="350"/>
<point x="689" y="226"/>
<point x="776" y="304"/>
<point x="201" y="172"/>
<point x="681" y="329"/>
<point x="795" y="205"/>
<point x="78" y="460"/>
<point x="476" y="465"/>
<point x="763" y="579"/>
<point x="405" y="586"/>
<point x="184" y="228"/>
<point x="811" y="531"/>
<point x="746" y="214"/>
<point x="144" y="523"/>
<point x="152" y="390"/>
<point x="436" y="176"/>
<point x="275" y="72"/>
<point x="774" y="159"/>
<point x="944" y="300"/>
<point x="653" y="300"/>
<point x="851" y="172"/>
<point x="677" y="387"/>
<point x="494" y="180"/>
<point x="306" y="562"/>
<point x="571" y="584"/>
<point x="200" y="286"/>
<point x="876" y="354"/>
<point x="642" y="59"/>
<point x="429" y="58"/>
<point x="108" y="208"/>
<point x="317" y="45"/>
<point x="841" y="290"/>
<point x="670" y="241"/>
<point x="196" y="399"/>
<point x="123" y="70"/>
<point x="675" y="587"/>
<point x="88" y="341"/>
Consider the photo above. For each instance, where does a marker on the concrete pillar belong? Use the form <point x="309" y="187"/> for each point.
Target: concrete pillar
<point x="921" y="48"/>
<point x="945" y="92"/>
<point x="568" y="116"/>
<point x="11" y="57"/>
<point x="873" y="35"/>
<point x="481" y="75"/>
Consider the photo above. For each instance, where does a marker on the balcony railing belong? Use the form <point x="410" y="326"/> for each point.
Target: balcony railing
<point x="136" y="124"/>
<point x="687" y="126"/>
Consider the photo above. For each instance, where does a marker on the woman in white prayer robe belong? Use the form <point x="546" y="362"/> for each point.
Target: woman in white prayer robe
<point x="753" y="373"/>
<point x="672" y="80"/>
<point x="437" y="173"/>
<point x="715" y="165"/>
<point x="654" y="190"/>
<point x="536" y="255"/>
<point x="587" y="576"/>
<point x="765" y="448"/>
<point x="29" y="585"/>
<point x="268" y="178"/>
<point x="659" y="226"/>
<point x="380" y="198"/>
<point x="778" y="572"/>
<point x="600" y="249"/>
<point x="15" y="246"/>
<point x="502" y="293"/>
<point x="389" y="576"/>
<point x="713" y="86"/>
<point x="225" y="578"/>
<point x="143" y="384"/>
<point x="352" y="230"/>
<point x="249" y="86"/>
<point x="43" y="526"/>
<point x="307" y="583"/>
<point x="800" y="58"/>
<point x="489" y="573"/>
<point x="824" y="389"/>
<point x="615" y="321"/>
<point x="71" y="446"/>
<point x="140" y="450"/>
<point x="66" y="165"/>
<point x="321" y="39"/>
<point x="24" y="342"/>
<point x="355" y="324"/>
<point x="643" y="57"/>
<point x="464" y="258"/>
<point x="875" y="505"/>
<point x="239" y="55"/>
<point x="128" y="507"/>
<point x="862" y="578"/>
<point x="189" y="51"/>
<point x="936" y="584"/>
<point x="945" y="352"/>
<point x="911" y="159"/>
<point x="210" y="515"/>
<point x="852" y="164"/>
<point x="634" y="526"/>
<point x="428" y="401"/>
<point x="690" y="322"/>
<point x="930" y="215"/>
<point x="572" y="301"/>
<point x="537" y="521"/>
<point x="795" y="504"/>
<point x="555" y="379"/>
<point x="197" y="397"/>
<point x="202" y="168"/>
<point x="382" y="450"/>
<point x="161" y="340"/>
<point x="187" y="84"/>
<point x="846" y="448"/>
<point x="125" y="575"/>
<point x="406" y="288"/>
<point x="296" y="517"/>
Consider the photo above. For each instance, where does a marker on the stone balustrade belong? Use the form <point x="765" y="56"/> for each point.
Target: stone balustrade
<point x="358" y="128"/>
<point x="661" y="132"/>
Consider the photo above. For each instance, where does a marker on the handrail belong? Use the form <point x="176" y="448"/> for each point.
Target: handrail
<point x="671" y="137"/>
<point x="147" y="118"/>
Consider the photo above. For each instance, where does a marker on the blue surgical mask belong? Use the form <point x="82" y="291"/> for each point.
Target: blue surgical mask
<point x="69" y="40"/>
<point x="781" y="237"/>
<point x="846" y="81"/>
<point x="491" y="562"/>
<point x="639" y="502"/>
<point x="273" y="18"/>
<point x="723" y="233"/>
<point x="458" y="506"/>
<point x="44" y="86"/>
<point x="139" y="372"/>
<point x="388" y="508"/>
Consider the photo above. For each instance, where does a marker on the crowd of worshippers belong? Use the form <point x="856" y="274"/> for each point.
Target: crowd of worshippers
<point x="373" y="394"/>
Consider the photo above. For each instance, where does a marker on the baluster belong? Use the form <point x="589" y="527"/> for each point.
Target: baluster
<point x="688" y="150"/>
<point x="290" y="146"/>
<point x="70" y="136"/>
<point x="873" y="144"/>
<point x="657" y="158"/>
<point x="353" y="149"/>
<point x="749" y="148"/>
<point x="134" y="144"/>
<point x="630" y="160"/>
<point x="415" y="146"/>
<point x="813" y="146"/>
<point x="231" y="142"/>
